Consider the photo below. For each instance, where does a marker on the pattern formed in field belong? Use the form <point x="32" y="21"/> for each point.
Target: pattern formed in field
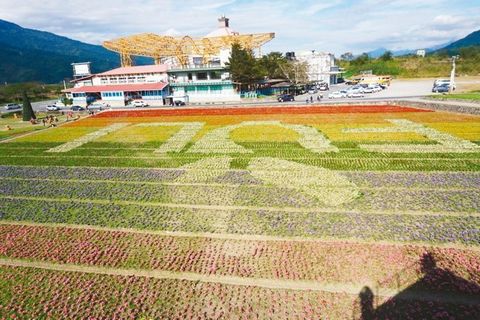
<point x="180" y="139"/>
<point x="88" y="138"/>
<point x="447" y="142"/>
<point x="218" y="141"/>
<point x="319" y="212"/>
<point x="328" y="187"/>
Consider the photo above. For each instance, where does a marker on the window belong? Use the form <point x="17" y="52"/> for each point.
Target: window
<point x="202" y="76"/>
<point x="216" y="89"/>
<point x="141" y="79"/>
<point x="113" y="80"/>
<point x="122" y="80"/>
<point x="215" y="75"/>
<point x="190" y="76"/>
<point x="103" y="80"/>
<point x="131" y="79"/>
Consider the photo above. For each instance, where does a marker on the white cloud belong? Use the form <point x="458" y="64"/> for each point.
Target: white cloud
<point x="335" y="26"/>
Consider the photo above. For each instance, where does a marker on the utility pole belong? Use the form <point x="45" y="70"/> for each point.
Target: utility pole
<point x="452" y="74"/>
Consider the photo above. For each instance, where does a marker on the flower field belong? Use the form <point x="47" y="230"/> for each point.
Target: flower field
<point x="244" y="213"/>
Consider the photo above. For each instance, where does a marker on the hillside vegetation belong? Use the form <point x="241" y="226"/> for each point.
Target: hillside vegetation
<point x="33" y="55"/>
<point x="434" y="65"/>
<point x="36" y="92"/>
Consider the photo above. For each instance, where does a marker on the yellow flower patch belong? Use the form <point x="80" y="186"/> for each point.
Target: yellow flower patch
<point x="135" y="134"/>
<point x="261" y="133"/>
<point x="60" y="134"/>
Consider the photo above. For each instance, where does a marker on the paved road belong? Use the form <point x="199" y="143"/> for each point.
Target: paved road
<point x="399" y="89"/>
<point x="37" y="106"/>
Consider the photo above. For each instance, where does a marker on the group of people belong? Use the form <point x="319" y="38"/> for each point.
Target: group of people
<point x="310" y="100"/>
<point x="50" y="121"/>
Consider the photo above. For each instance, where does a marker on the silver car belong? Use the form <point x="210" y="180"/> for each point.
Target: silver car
<point x="12" y="106"/>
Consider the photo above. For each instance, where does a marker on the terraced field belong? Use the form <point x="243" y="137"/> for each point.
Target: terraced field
<point x="244" y="213"/>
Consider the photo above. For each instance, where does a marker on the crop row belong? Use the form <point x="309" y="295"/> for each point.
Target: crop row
<point x="260" y="111"/>
<point x="366" y="179"/>
<point x="29" y="293"/>
<point x="292" y="260"/>
<point x="174" y="160"/>
<point x="425" y="228"/>
<point x="246" y="195"/>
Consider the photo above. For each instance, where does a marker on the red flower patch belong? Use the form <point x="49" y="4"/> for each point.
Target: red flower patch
<point x="258" y="110"/>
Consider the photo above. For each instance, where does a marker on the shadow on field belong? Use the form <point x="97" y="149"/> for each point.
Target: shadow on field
<point x="438" y="294"/>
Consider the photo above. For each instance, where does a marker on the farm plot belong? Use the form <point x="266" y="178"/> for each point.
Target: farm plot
<point x="244" y="213"/>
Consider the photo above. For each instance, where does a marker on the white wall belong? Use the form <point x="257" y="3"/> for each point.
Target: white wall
<point x="319" y="64"/>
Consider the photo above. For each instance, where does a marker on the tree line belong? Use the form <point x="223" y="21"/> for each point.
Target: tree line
<point x="247" y="71"/>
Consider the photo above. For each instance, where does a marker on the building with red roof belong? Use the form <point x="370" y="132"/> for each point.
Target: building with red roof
<point x="119" y="86"/>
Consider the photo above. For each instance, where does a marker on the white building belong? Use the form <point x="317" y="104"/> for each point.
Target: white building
<point x="321" y="66"/>
<point x="421" y="52"/>
<point x="118" y="86"/>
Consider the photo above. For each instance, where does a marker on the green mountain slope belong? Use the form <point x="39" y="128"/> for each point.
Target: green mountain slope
<point x="473" y="39"/>
<point x="32" y="55"/>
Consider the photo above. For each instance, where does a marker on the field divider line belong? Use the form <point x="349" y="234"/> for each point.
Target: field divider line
<point x="432" y="172"/>
<point x="389" y="159"/>
<point x="190" y="276"/>
<point x="205" y="184"/>
<point x="247" y="208"/>
<point x="241" y="237"/>
<point x="275" y="284"/>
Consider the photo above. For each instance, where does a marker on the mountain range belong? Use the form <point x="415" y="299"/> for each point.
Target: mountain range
<point x="33" y="55"/>
<point x="473" y="39"/>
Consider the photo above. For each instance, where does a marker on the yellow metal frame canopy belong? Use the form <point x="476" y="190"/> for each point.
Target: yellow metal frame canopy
<point x="158" y="47"/>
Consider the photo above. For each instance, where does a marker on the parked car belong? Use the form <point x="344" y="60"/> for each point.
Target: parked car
<point x="375" y="87"/>
<point x="323" y="87"/>
<point x="12" y="106"/>
<point x="312" y="91"/>
<point x="98" y="106"/>
<point x="285" y="98"/>
<point x="59" y="104"/>
<point x="139" y="103"/>
<point x="53" y="108"/>
<point x="443" y="82"/>
<point x="441" y="88"/>
<point x="368" y="90"/>
<point x="337" y="94"/>
<point x="355" y="94"/>
<point x="179" y="103"/>
<point x="77" y="108"/>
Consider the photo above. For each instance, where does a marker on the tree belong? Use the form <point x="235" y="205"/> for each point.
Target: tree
<point x="361" y="59"/>
<point x="270" y="65"/>
<point x="347" y="56"/>
<point x="243" y="67"/>
<point x="28" y="113"/>
<point x="387" y="56"/>
<point x="295" y="72"/>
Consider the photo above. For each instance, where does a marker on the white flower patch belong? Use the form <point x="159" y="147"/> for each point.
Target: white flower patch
<point x="88" y="138"/>
<point x="180" y="139"/>
<point x="330" y="188"/>
<point x="447" y="142"/>
<point x="218" y="140"/>
<point x="205" y="170"/>
<point x="311" y="139"/>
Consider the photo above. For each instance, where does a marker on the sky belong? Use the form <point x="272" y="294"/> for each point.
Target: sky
<point x="335" y="26"/>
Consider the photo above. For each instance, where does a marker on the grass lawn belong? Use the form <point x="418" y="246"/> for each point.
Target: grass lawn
<point x="471" y="96"/>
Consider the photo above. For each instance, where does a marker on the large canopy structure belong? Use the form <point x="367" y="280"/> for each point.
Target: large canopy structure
<point x="158" y="47"/>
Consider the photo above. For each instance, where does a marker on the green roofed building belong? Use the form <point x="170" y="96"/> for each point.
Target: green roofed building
<point x="202" y="84"/>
